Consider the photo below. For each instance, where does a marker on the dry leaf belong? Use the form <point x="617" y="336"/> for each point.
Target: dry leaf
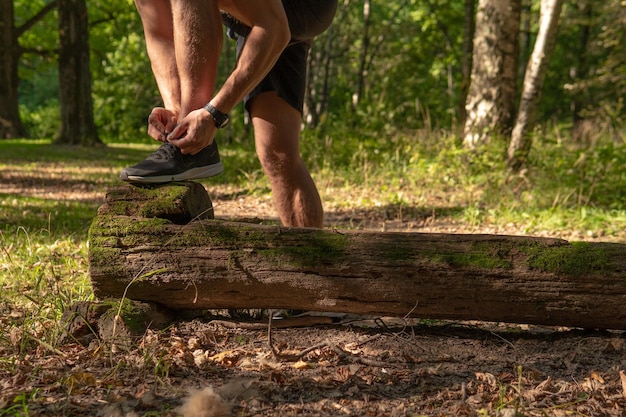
<point x="487" y="377"/>
<point x="622" y="378"/>
<point x="227" y="357"/>
<point x="597" y="377"/>
<point x="301" y="365"/>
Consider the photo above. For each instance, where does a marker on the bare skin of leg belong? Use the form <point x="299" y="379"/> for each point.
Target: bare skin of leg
<point x="184" y="61"/>
<point x="277" y="136"/>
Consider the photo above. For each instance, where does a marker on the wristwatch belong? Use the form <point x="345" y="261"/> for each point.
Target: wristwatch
<point x="220" y="119"/>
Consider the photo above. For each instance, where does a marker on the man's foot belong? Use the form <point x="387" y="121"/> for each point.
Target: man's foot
<point x="168" y="164"/>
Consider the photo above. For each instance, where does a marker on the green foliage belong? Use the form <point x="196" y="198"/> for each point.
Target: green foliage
<point x="42" y="121"/>
<point x="123" y="89"/>
<point x="125" y="93"/>
<point x="412" y="69"/>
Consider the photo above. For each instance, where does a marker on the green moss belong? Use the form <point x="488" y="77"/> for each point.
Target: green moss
<point x="576" y="259"/>
<point x="487" y="255"/>
<point x="133" y="314"/>
<point x="108" y="235"/>
<point x="297" y="248"/>
<point x="111" y="225"/>
<point x="476" y="260"/>
<point x="310" y="250"/>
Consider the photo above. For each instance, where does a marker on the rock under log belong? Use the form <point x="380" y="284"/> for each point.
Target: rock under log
<point x="213" y="264"/>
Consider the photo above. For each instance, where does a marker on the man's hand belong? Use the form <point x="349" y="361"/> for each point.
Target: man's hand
<point x="161" y="122"/>
<point x="195" y="132"/>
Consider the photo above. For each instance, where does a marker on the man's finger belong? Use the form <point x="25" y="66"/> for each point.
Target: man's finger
<point x="171" y="124"/>
<point x="154" y="122"/>
<point x="178" y="132"/>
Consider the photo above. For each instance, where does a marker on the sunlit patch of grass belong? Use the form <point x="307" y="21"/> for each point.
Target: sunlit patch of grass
<point x="41" y="274"/>
<point x="576" y="192"/>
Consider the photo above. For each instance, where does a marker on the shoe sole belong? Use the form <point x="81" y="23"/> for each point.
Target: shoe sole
<point x="192" y="174"/>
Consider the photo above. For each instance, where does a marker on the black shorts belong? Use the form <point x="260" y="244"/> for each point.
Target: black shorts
<point x="307" y="19"/>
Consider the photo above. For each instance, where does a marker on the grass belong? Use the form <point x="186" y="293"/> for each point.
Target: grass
<point x="50" y="194"/>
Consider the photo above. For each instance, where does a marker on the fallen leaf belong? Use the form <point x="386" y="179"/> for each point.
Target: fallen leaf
<point x="487" y="377"/>
<point x="227" y="357"/>
<point x="597" y="377"/>
<point x="301" y="365"/>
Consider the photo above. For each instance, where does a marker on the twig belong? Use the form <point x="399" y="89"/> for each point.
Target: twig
<point x="270" y="340"/>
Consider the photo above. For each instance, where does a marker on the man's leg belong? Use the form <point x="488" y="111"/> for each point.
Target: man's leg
<point x="156" y="16"/>
<point x="277" y="135"/>
<point x="184" y="41"/>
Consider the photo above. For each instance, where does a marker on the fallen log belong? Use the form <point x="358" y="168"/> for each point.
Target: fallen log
<point x="213" y="264"/>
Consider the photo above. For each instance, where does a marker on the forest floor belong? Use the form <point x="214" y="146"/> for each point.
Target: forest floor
<point x="226" y="364"/>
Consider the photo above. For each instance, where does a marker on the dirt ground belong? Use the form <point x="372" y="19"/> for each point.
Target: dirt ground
<point x="354" y="367"/>
<point x="223" y="363"/>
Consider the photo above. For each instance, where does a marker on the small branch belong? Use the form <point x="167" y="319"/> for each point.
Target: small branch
<point x="36" y="18"/>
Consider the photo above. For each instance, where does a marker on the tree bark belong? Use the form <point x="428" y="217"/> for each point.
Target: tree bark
<point x="77" y="121"/>
<point x="580" y="70"/>
<point x="11" y="125"/>
<point x="490" y="106"/>
<point x="365" y="43"/>
<point x="469" y="27"/>
<point x="524" y="37"/>
<point x="212" y="264"/>
<point x="521" y="140"/>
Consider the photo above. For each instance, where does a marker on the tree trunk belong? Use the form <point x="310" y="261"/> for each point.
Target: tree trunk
<point x="524" y="37"/>
<point x="469" y="27"/>
<point x="490" y="106"/>
<point x="581" y="69"/>
<point x="10" y="122"/>
<point x="212" y="264"/>
<point x="521" y="140"/>
<point x="365" y="43"/>
<point x="77" y="121"/>
<point x="317" y="91"/>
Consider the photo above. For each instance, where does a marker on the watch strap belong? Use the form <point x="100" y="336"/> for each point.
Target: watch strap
<point x="221" y="119"/>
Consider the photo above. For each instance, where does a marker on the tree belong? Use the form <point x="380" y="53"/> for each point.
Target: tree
<point x="521" y="140"/>
<point x="469" y="26"/>
<point x="77" y="123"/>
<point x="490" y="104"/>
<point x="10" y="123"/>
<point x="10" y="52"/>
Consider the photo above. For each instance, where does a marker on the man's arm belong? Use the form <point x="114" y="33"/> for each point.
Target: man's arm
<point x="268" y="37"/>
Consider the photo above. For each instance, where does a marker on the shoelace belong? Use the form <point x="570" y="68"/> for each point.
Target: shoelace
<point x="165" y="151"/>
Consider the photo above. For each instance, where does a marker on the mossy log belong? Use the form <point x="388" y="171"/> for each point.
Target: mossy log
<point x="211" y="264"/>
<point x="179" y="202"/>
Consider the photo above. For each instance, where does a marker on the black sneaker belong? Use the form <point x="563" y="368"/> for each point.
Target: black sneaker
<point x="168" y="164"/>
